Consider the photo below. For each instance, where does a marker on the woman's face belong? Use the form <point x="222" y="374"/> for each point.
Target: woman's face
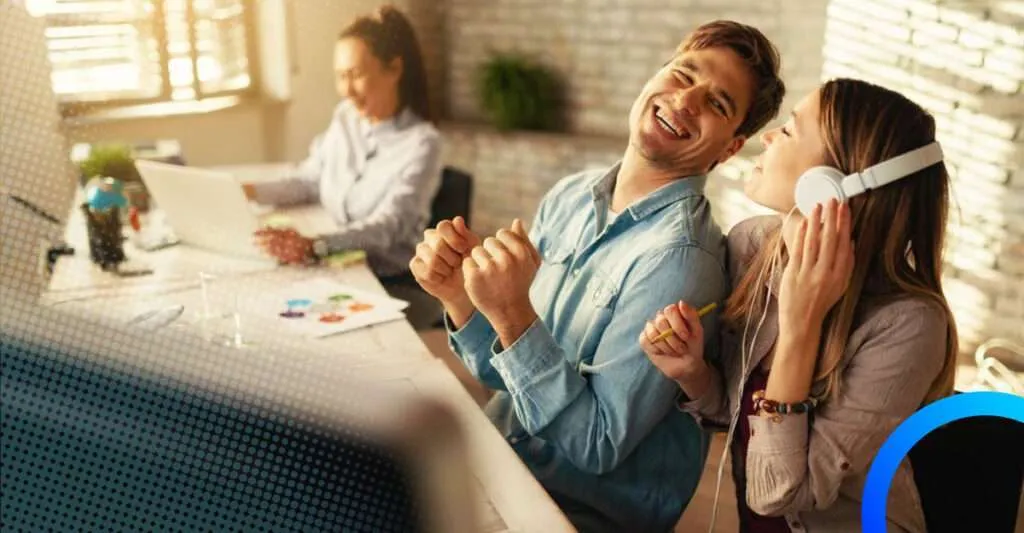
<point x="790" y="150"/>
<point x="362" y="79"/>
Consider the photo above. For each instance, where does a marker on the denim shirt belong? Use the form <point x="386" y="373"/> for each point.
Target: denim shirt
<point x="377" y="181"/>
<point x="577" y="398"/>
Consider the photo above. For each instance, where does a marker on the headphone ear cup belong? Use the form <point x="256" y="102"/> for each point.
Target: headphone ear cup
<point x="818" y="185"/>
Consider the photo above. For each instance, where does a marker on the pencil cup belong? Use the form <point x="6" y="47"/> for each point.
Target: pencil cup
<point x="106" y="243"/>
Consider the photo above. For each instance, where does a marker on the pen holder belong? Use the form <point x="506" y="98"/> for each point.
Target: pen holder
<point x="106" y="242"/>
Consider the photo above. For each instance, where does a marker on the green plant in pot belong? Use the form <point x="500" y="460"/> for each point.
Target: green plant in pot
<point x="519" y="94"/>
<point x="115" y="160"/>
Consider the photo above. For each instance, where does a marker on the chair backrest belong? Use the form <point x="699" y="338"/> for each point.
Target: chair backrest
<point x="453" y="197"/>
<point x="970" y="474"/>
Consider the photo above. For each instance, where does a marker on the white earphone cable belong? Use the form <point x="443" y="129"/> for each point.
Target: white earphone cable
<point x="745" y="355"/>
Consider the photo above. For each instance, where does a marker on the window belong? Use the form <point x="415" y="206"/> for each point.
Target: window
<point x="124" y="52"/>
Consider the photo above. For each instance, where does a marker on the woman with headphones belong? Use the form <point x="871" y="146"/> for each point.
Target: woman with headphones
<point x="836" y="329"/>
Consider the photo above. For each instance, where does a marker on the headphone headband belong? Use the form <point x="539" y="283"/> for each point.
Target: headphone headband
<point x="894" y="169"/>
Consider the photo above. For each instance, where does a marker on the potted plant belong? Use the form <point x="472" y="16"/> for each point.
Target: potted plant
<point x="517" y="93"/>
<point x="115" y="160"/>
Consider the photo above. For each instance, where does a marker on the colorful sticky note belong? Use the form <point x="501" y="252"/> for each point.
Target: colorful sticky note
<point x="359" y="307"/>
<point x="278" y="222"/>
<point x="346" y="258"/>
<point x="331" y="317"/>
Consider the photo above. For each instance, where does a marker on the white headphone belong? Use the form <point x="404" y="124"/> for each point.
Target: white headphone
<point x="818" y="185"/>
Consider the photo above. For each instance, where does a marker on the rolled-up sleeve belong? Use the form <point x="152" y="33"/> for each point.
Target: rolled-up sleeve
<point x="412" y="190"/>
<point x="798" y="464"/>
<point x="598" y="413"/>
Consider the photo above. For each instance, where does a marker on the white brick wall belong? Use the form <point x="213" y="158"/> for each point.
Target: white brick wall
<point x="607" y="49"/>
<point x="513" y="171"/>
<point x="964" y="61"/>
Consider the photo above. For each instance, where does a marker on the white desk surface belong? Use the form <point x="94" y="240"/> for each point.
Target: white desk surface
<point x="510" y="500"/>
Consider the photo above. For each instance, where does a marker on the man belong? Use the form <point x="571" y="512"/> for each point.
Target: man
<point x="551" y="320"/>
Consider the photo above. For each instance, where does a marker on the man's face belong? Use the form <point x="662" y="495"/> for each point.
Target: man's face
<point x="686" y="117"/>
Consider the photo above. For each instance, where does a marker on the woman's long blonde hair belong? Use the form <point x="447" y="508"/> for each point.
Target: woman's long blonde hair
<point x="899" y="229"/>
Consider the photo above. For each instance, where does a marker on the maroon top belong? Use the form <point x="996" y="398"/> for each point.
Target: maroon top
<point x="750" y="522"/>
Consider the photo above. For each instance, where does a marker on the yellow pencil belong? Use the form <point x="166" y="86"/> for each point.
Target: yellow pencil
<point x="703" y="311"/>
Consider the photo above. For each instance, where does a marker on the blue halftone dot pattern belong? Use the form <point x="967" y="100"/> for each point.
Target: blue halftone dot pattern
<point x="116" y="448"/>
<point x="85" y="446"/>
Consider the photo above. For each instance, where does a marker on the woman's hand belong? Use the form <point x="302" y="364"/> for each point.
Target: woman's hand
<point x="680" y="356"/>
<point x="820" y="266"/>
<point x="285" y="245"/>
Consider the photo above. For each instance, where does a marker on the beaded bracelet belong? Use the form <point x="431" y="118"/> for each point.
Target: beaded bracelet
<point x="774" y="410"/>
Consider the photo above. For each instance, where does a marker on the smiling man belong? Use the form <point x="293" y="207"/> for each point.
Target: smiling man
<point x="550" y="320"/>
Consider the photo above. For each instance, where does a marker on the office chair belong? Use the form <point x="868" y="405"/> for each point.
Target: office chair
<point x="454" y="197"/>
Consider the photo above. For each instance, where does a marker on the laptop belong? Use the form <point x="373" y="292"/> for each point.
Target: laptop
<point x="204" y="208"/>
<point x="207" y="208"/>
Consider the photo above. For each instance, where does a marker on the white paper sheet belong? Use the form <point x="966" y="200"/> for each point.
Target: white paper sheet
<point x="322" y="307"/>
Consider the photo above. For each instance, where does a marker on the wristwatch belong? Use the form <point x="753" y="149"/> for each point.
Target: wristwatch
<point x="320" y="250"/>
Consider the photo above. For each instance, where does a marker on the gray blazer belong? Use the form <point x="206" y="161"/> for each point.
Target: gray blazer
<point x="812" y="470"/>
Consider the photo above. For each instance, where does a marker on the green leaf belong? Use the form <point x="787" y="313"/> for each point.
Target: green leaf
<point x="517" y="93"/>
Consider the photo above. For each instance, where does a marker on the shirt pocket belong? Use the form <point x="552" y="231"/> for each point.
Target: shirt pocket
<point x="594" y="315"/>
<point x="547" y="283"/>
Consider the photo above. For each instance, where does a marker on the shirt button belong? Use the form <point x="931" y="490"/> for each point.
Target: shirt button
<point x="576" y="273"/>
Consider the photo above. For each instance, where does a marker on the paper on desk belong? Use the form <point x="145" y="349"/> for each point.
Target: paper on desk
<point x="322" y="307"/>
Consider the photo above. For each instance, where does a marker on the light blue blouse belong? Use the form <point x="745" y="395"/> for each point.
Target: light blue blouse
<point x="377" y="181"/>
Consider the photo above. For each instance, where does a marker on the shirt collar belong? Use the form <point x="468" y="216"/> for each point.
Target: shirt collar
<point x="668" y="194"/>
<point x="401" y="120"/>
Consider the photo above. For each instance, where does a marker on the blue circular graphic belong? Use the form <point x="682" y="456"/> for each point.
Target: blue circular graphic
<point x="913" y="429"/>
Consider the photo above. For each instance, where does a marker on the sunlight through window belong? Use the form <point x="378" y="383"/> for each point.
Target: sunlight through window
<point x="133" y="51"/>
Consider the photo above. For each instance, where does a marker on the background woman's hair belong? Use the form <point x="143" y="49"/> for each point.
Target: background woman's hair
<point x="389" y="35"/>
<point x="899" y="229"/>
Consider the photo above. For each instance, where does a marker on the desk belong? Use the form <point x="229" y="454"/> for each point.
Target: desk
<point x="510" y="498"/>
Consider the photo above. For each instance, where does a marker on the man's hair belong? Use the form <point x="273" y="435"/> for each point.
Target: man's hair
<point x="761" y="57"/>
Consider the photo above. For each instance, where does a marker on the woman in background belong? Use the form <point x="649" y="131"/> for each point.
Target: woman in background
<point x="377" y="167"/>
<point x="825" y="350"/>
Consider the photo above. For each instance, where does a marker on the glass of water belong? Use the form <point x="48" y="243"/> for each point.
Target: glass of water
<point x="220" y="318"/>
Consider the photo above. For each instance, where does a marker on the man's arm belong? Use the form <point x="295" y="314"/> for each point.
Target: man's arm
<point x="598" y="414"/>
<point x="470" y="334"/>
<point x="471" y="343"/>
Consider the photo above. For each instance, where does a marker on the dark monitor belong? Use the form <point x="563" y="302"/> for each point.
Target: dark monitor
<point x="98" y="441"/>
